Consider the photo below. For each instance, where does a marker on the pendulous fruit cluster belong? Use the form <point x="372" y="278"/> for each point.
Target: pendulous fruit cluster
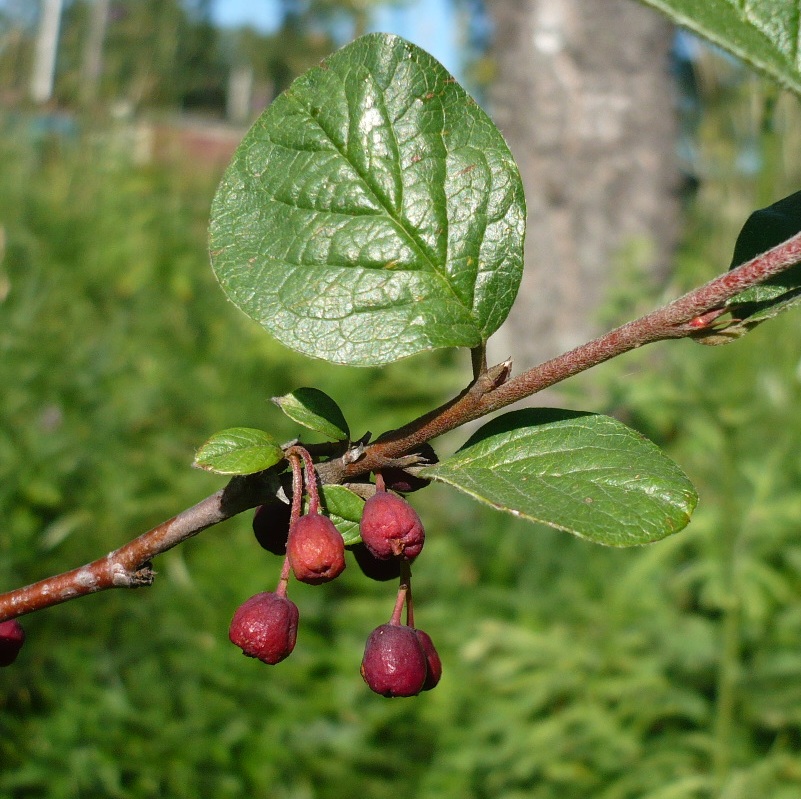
<point x="399" y="660"/>
<point x="12" y="637"/>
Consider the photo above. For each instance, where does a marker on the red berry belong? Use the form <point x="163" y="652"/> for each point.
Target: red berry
<point x="390" y="527"/>
<point x="265" y="627"/>
<point x="315" y="549"/>
<point x="397" y="479"/>
<point x="375" y="568"/>
<point x="394" y="663"/>
<point x="433" y="662"/>
<point x="271" y="526"/>
<point x="12" y="637"/>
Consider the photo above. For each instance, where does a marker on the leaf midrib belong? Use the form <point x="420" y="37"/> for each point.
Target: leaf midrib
<point x="413" y="240"/>
<point x="573" y="529"/>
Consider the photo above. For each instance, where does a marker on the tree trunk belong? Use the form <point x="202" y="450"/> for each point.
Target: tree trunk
<point x="44" y="59"/>
<point x="585" y="99"/>
<point x="92" y="69"/>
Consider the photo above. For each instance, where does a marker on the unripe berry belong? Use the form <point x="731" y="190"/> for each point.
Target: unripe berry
<point x="265" y="627"/>
<point x="433" y="662"/>
<point x="315" y="549"/>
<point x="394" y="663"/>
<point x="375" y="568"/>
<point x="12" y="637"/>
<point x="390" y="527"/>
<point x="271" y="526"/>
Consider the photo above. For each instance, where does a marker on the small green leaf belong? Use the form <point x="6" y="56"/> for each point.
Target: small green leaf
<point x="763" y="33"/>
<point x="373" y="211"/>
<point x="344" y="508"/>
<point x="316" y="410"/>
<point x="587" y="474"/>
<point x="239" y="450"/>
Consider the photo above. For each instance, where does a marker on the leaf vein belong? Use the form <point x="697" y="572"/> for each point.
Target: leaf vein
<point x="413" y="240"/>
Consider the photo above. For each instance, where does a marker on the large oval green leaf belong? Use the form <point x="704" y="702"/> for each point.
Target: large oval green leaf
<point x="764" y="33"/>
<point x="372" y="212"/>
<point x="587" y="474"/>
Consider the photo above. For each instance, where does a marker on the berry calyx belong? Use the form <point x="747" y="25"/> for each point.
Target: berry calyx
<point x="394" y="663"/>
<point x="315" y="549"/>
<point x="271" y="526"/>
<point x="12" y="637"/>
<point x="265" y="627"/>
<point x="433" y="663"/>
<point x="390" y="526"/>
<point x="376" y="568"/>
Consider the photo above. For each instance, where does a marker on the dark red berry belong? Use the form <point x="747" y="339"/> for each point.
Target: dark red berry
<point x="315" y="549"/>
<point x="433" y="662"/>
<point x="397" y="479"/>
<point x="375" y="568"/>
<point x="265" y="627"/>
<point x="394" y="663"/>
<point x="271" y="526"/>
<point x="12" y="637"/>
<point x="390" y="527"/>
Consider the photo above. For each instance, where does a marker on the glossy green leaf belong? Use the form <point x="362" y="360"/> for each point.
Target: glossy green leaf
<point x="372" y="212"/>
<point x="763" y="33"/>
<point x="314" y="409"/>
<point x="587" y="474"/>
<point x="344" y="508"/>
<point x="239" y="450"/>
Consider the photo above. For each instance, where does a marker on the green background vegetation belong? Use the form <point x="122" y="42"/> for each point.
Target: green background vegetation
<point x="571" y="671"/>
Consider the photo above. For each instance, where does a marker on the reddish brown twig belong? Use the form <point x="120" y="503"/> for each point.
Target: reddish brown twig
<point x="485" y="395"/>
<point x="130" y="565"/>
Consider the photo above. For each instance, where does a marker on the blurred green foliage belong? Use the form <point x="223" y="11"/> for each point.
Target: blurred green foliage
<point x="668" y="672"/>
<point x="169" y="54"/>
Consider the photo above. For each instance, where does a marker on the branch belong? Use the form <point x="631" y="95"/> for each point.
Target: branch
<point x="130" y="565"/>
<point x="687" y="316"/>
